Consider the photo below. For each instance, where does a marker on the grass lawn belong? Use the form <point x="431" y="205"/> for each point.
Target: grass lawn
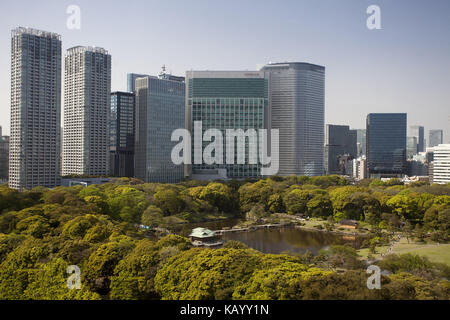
<point x="365" y="252"/>
<point x="436" y="253"/>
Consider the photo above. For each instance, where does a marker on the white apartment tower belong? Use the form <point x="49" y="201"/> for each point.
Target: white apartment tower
<point x="87" y="100"/>
<point x="441" y="164"/>
<point x="34" y="158"/>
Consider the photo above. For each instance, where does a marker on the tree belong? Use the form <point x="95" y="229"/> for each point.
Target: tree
<point x="259" y="192"/>
<point x="167" y="198"/>
<point x="296" y="201"/>
<point x="200" y="274"/>
<point x="276" y="204"/>
<point x="320" y="206"/>
<point x="50" y="283"/>
<point x="256" y="213"/>
<point x="152" y="216"/>
<point x="276" y="283"/>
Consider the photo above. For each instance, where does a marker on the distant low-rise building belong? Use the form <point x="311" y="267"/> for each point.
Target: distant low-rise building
<point x="348" y="224"/>
<point x="85" y="182"/>
<point x="4" y="156"/>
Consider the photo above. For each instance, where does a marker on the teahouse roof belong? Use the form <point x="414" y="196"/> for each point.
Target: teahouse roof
<point x="202" y="233"/>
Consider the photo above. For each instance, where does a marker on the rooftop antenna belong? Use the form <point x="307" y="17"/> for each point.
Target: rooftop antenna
<point x="163" y="72"/>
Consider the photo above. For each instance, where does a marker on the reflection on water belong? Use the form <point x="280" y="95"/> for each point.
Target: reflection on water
<point x="289" y="239"/>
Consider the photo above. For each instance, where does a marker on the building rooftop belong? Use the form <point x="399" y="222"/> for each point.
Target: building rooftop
<point x="79" y="49"/>
<point x="202" y="233"/>
<point x="35" y="32"/>
<point x="294" y="65"/>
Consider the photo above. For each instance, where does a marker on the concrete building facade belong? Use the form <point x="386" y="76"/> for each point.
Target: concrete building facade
<point x="34" y="146"/>
<point x="87" y="103"/>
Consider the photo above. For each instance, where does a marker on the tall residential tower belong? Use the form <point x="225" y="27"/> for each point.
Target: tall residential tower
<point x="87" y="101"/>
<point x="34" y="150"/>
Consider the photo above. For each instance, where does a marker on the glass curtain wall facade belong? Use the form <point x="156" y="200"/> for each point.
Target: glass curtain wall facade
<point x="121" y="131"/>
<point x="340" y="141"/>
<point x="227" y="100"/>
<point x="131" y="80"/>
<point x="361" y="141"/>
<point x="297" y="98"/>
<point x="160" y="106"/>
<point x="418" y="132"/>
<point x="386" y="145"/>
<point x="436" y="138"/>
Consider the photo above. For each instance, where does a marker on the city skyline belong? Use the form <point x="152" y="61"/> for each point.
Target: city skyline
<point x="386" y="64"/>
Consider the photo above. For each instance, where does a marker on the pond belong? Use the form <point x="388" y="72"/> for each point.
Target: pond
<point x="275" y="240"/>
<point x="290" y="239"/>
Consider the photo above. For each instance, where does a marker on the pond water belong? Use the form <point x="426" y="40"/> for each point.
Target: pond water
<point x="290" y="239"/>
<point x="276" y="240"/>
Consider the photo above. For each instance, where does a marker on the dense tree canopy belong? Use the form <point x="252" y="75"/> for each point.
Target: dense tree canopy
<point x="98" y="228"/>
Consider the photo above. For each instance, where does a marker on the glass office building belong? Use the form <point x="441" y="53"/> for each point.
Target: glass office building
<point x="227" y="100"/>
<point x="297" y="98"/>
<point x="131" y="80"/>
<point x="121" y="133"/>
<point x="418" y="133"/>
<point x="436" y="138"/>
<point x="339" y="141"/>
<point x="361" y="141"/>
<point x="160" y="106"/>
<point x="386" y="145"/>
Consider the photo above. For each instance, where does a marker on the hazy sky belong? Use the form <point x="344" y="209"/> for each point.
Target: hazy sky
<point x="405" y="67"/>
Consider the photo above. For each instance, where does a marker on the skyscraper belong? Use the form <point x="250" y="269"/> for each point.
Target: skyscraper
<point x="131" y="81"/>
<point x="121" y="132"/>
<point x="34" y="158"/>
<point x="386" y="145"/>
<point x="411" y="147"/>
<point x="418" y="132"/>
<point x="227" y="100"/>
<point x="87" y="102"/>
<point x="436" y="138"/>
<point x="441" y="164"/>
<point x="361" y="141"/>
<point x="339" y="141"/>
<point x="159" y="111"/>
<point x="297" y="95"/>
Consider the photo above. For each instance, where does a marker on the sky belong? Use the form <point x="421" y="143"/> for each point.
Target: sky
<point x="402" y="67"/>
